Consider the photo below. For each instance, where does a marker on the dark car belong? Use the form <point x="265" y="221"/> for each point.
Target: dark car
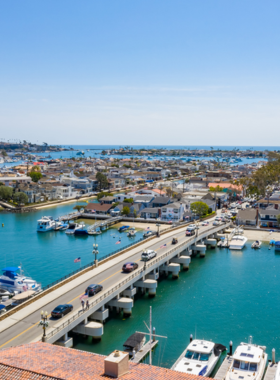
<point x="93" y="289"/>
<point x="61" y="310"/>
<point x="190" y="233"/>
<point x="174" y="241"/>
<point x="129" y="267"/>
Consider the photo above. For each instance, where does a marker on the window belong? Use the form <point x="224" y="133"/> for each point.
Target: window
<point x="244" y="366"/>
<point x="236" y="364"/>
<point x="164" y="210"/>
<point x="204" y="357"/>
<point x="189" y="354"/>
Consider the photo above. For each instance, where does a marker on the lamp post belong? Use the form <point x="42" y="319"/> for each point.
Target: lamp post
<point x="44" y="323"/>
<point x="95" y="252"/>
<point x="158" y="225"/>
<point x="145" y="259"/>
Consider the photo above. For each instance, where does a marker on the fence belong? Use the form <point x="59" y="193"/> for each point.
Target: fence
<point x="128" y="279"/>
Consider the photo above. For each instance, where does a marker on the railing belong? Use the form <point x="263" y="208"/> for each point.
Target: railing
<point x="128" y="279"/>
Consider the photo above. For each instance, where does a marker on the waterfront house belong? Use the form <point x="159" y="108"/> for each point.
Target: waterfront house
<point x="97" y="208"/>
<point x="150" y="213"/>
<point x="108" y="200"/>
<point x="173" y="212"/>
<point x="247" y="217"/>
<point x="44" y="361"/>
<point x="268" y="216"/>
<point x="160" y="201"/>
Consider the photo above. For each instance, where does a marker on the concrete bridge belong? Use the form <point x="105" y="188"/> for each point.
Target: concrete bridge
<point x="118" y="289"/>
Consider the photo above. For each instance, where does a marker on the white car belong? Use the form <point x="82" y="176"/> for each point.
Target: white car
<point x="148" y="255"/>
<point x="191" y="227"/>
<point x="204" y="223"/>
<point x="216" y="223"/>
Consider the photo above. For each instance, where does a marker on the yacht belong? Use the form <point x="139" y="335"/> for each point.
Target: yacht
<point x="249" y="362"/>
<point x="17" y="282"/>
<point x="237" y="242"/>
<point x="199" y="358"/>
<point x="72" y="227"/>
<point x="46" y="223"/>
<point x="256" y="244"/>
<point x="82" y="230"/>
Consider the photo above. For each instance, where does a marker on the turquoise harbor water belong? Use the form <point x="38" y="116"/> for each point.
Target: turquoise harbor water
<point x="49" y="256"/>
<point x="229" y="295"/>
<point x="226" y="296"/>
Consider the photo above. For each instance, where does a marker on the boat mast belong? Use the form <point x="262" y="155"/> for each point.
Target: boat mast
<point x="150" y="335"/>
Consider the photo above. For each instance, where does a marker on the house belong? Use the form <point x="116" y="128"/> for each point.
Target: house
<point x="161" y="201"/>
<point x="150" y="213"/>
<point x="247" y="217"/>
<point x="44" y="361"/>
<point x="134" y="208"/>
<point x="98" y="208"/>
<point x="82" y="184"/>
<point x="268" y="216"/>
<point x="108" y="200"/>
<point x="145" y="200"/>
<point x="173" y="211"/>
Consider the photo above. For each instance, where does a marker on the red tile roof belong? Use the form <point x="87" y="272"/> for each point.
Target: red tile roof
<point x="43" y="361"/>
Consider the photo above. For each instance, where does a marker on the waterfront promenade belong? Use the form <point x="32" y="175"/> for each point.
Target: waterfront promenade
<point x="22" y="326"/>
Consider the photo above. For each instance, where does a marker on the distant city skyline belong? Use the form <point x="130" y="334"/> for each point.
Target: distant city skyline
<point x="147" y="73"/>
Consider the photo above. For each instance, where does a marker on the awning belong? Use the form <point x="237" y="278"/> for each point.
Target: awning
<point x="23" y="295"/>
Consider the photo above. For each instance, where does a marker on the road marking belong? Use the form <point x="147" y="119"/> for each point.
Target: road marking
<point x="19" y="335"/>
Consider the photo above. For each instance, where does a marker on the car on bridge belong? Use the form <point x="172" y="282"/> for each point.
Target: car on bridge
<point x="204" y="223"/>
<point x="191" y="227"/>
<point x="190" y="233"/>
<point x="174" y="241"/>
<point x="93" y="289"/>
<point x="61" y="310"/>
<point x="129" y="267"/>
<point x="148" y="255"/>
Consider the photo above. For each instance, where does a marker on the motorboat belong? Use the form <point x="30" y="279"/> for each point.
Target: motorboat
<point x="249" y="361"/>
<point x="199" y="358"/>
<point x="82" y="230"/>
<point x="17" y="282"/>
<point x="5" y="293"/>
<point x="237" y="242"/>
<point x="72" y="228"/>
<point x="123" y="228"/>
<point x="131" y="233"/>
<point x="94" y="232"/>
<point x="148" y="234"/>
<point x="256" y="244"/>
<point x="46" y="223"/>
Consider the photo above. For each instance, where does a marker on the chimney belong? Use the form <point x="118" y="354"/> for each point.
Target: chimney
<point x="116" y="364"/>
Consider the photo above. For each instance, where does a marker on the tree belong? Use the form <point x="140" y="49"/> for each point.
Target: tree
<point x="20" y="197"/>
<point x="278" y="220"/>
<point x="103" y="194"/>
<point x="128" y="200"/>
<point x="36" y="169"/>
<point x="126" y="210"/>
<point x="199" y="208"/>
<point x="35" y="176"/>
<point x="102" y="180"/>
<point x="216" y="189"/>
<point x="78" y="207"/>
<point x="6" y="192"/>
<point x="4" y="153"/>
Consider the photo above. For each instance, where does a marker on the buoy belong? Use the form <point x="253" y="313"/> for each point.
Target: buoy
<point x="2" y="224"/>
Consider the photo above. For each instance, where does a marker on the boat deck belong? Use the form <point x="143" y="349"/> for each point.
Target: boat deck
<point x="221" y="374"/>
<point x="270" y="371"/>
<point x="144" y="351"/>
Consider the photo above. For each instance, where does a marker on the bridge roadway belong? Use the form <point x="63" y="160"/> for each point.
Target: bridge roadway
<point x="22" y="327"/>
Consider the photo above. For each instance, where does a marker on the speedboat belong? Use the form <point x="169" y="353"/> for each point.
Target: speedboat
<point x="5" y="293"/>
<point x="131" y="233"/>
<point x="256" y="244"/>
<point x="249" y="362"/>
<point x="72" y="228"/>
<point x="17" y="282"/>
<point x="237" y="242"/>
<point x="123" y="228"/>
<point x="199" y="358"/>
<point x="148" y="234"/>
<point x="46" y="223"/>
<point x="82" y="230"/>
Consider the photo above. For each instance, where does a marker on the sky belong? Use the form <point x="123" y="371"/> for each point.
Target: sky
<point x="153" y="72"/>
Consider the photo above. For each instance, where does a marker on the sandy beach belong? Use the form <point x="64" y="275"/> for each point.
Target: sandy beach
<point x="262" y="235"/>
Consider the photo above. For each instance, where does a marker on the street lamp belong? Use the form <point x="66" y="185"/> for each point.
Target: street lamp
<point x="44" y="323"/>
<point x="95" y="252"/>
<point x="158" y="225"/>
<point x="145" y="258"/>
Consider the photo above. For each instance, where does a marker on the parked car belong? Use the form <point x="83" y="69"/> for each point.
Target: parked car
<point x="148" y="255"/>
<point x="93" y="289"/>
<point x="129" y="267"/>
<point x="61" y="310"/>
<point x="174" y="241"/>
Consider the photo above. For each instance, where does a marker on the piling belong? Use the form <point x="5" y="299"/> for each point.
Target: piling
<point x="230" y="348"/>
<point x="273" y="356"/>
<point x="191" y="338"/>
<point x="154" y="334"/>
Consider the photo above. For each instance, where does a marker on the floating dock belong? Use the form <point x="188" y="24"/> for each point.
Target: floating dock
<point x="270" y="371"/>
<point x="144" y="351"/>
<point x="221" y="374"/>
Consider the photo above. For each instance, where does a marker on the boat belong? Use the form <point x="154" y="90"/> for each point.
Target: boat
<point x="237" y="242"/>
<point x="46" y="223"/>
<point x="131" y="233"/>
<point x="277" y="246"/>
<point x="17" y="282"/>
<point x="199" y="358"/>
<point x="72" y="228"/>
<point x="249" y="360"/>
<point x="123" y="228"/>
<point x="277" y="373"/>
<point x="5" y="293"/>
<point x="256" y="244"/>
<point x="82" y="230"/>
<point x="134" y="343"/>
<point x="148" y="234"/>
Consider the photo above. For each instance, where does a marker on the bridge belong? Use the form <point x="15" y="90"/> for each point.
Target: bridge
<point x="118" y="289"/>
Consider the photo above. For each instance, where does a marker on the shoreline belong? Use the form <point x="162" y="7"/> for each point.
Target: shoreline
<point x="264" y="236"/>
<point x="63" y="202"/>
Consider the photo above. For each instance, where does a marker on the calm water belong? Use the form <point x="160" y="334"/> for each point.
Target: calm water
<point x="48" y="256"/>
<point x="226" y="296"/>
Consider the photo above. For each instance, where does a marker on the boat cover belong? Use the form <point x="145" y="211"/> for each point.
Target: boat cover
<point x="277" y="243"/>
<point x="134" y="340"/>
<point x="218" y="348"/>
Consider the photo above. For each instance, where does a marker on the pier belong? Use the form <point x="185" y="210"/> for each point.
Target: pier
<point x="270" y="371"/>
<point x="221" y="374"/>
<point x="140" y="355"/>
<point x="118" y="290"/>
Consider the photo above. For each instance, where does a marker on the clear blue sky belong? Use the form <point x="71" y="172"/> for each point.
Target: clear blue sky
<point x="175" y="72"/>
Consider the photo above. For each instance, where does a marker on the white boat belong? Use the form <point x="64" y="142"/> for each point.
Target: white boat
<point x="72" y="228"/>
<point x="237" y="242"/>
<point x="199" y="358"/>
<point x="256" y="244"/>
<point x="277" y="373"/>
<point x="94" y="232"/>
<point x="249" y="362"/>
<point x="131" y="233"/>
<point x="46" y="223"/>
<point x="17" y="282"/>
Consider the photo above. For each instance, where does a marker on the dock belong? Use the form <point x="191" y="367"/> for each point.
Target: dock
<point x="221" y="374"/>
<point x="270" y="371"/>
<point x="144" y="351"/>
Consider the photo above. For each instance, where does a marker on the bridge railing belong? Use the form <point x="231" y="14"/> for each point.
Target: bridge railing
<point x="128" y="279"/>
